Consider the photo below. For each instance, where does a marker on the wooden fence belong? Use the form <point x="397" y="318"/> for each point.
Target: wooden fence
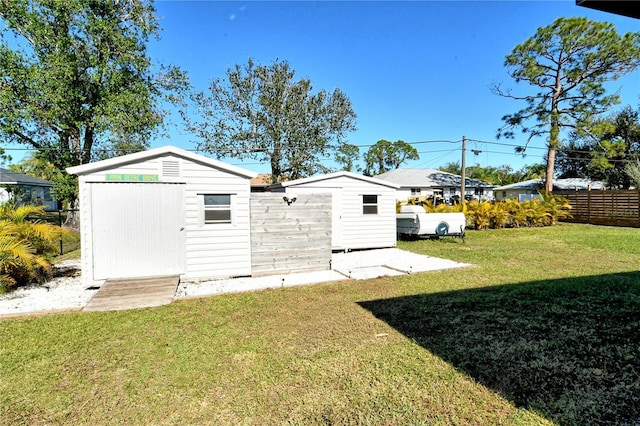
<point x="616" y="208"/>
<point x="290" y="236"/>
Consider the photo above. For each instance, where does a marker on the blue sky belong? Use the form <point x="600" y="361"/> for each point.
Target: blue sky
<point x="419" y="71"/>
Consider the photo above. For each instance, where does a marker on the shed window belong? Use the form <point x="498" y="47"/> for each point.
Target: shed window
<point x="369" y="204"/>
<point x="217" y="208"/>
<point x="415" y="191"/>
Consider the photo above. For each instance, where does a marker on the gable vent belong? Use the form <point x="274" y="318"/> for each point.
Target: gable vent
<point x="170" y="169"/>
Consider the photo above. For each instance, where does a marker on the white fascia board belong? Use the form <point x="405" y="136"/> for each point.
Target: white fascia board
<point x="143" y="155"/>
<point x="336" y="175"/>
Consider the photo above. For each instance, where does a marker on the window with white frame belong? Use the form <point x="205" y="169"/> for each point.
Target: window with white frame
<point x="217" y="208"/>
<point x="415" y="192"/>
<point x="369" y="204"/>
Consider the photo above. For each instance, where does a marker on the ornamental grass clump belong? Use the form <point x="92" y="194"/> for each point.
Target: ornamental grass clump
<point x="27" y="245"/>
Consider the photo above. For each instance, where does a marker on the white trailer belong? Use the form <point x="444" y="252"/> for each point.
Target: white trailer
<point x="414" y="221"/>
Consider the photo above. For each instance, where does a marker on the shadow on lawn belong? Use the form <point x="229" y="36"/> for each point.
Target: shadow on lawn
<point x="568" y="349"/>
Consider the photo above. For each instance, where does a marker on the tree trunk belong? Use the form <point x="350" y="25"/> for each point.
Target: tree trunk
<point x="73" y="216"/>
<point x="551" y="160"/>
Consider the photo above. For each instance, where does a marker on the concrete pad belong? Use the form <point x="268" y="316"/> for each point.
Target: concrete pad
<point x="238" y="285"/>
<point x="360" y="265"/>
<point x="368" y="272"/>
<point x="392" y="258"/>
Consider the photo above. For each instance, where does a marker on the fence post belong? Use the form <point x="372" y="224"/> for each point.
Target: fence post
<point x="60" y="225"/>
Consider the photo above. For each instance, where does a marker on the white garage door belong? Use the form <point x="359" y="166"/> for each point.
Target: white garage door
<point x="138" y="229"/>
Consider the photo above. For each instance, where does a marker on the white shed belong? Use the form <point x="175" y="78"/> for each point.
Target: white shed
<point x="363" y="208"/>
<point x="165" y="211"/>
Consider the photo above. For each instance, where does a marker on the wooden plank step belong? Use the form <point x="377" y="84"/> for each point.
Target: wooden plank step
<point x="130" y="293"/>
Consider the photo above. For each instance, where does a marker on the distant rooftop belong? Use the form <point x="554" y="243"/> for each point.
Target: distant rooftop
<point x="558" y="184"/>
<point x="9" y="177"/>
<point x="429" y="178"/>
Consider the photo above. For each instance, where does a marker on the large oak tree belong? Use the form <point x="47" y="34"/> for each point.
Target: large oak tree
<point x="567" y="63"/>
<point x="76" y="82"/>
<point x="263" y="112"/>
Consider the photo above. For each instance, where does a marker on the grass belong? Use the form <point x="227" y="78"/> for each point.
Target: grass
<point x="542" y="330"/>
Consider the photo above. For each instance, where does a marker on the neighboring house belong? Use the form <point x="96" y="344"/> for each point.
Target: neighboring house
<point x="165" y="211"/>
<point x="363" y="208"/>
<point x="529" y="189"/>
<point x="423" y="184"/>
<point x="260" y="182"/>
<point x="25" y="189"/>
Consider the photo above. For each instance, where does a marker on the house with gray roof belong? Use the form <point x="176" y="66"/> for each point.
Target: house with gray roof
<point x="25" y="189"/>
<point x="425" y="184"/>
<point x="528" y="189"/>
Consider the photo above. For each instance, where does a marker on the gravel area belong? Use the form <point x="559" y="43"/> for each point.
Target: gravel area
<point x="66" y="291"/>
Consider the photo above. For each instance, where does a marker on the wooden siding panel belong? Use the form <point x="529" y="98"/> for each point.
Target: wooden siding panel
<point x="290" y="238"/>
<point x="616" y="208"/>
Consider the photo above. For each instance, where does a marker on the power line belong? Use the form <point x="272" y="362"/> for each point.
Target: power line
<point x="423" y="142"/>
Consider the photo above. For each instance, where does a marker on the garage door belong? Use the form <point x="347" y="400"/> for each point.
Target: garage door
<point x="138" y="229"/>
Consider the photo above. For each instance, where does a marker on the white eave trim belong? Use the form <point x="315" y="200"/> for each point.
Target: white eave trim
<point x="143" y="155"/>
<point x="336" y="175"/>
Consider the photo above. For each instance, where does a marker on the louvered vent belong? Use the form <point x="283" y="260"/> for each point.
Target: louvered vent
<point x="170" y="169"/>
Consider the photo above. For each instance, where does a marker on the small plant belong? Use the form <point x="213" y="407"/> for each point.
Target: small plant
<point x="27" y="244"/>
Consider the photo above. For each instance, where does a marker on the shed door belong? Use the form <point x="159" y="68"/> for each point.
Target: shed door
<point x="138" y="229"/>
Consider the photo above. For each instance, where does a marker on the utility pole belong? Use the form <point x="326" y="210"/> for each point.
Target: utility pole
<point x="464" y="169"/>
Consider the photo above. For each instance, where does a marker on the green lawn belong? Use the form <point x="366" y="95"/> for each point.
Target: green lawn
<point x="544" y="329"/>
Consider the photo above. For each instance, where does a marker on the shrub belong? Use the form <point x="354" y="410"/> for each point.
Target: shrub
<point x="27" y="245"/>
<point x="544" y="211"/>
<point x="557" y="207"/>
<point x="500" y="216"/>
<point x="479" y="213"/>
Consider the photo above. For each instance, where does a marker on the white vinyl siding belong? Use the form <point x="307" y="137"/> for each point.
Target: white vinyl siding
<point x="213" y="251"/>
<point x="220" y="249"/>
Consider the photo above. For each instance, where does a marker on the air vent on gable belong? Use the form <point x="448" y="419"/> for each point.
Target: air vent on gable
<point x="170" y="168"/>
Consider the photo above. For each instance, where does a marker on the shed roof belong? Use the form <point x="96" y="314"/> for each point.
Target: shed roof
<point x="559" y="184"/>
<point x="429" y="178"/>
<point x="337" y="175"/>
<point x="9" y="177"/>
<point x="157" y="152"/>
